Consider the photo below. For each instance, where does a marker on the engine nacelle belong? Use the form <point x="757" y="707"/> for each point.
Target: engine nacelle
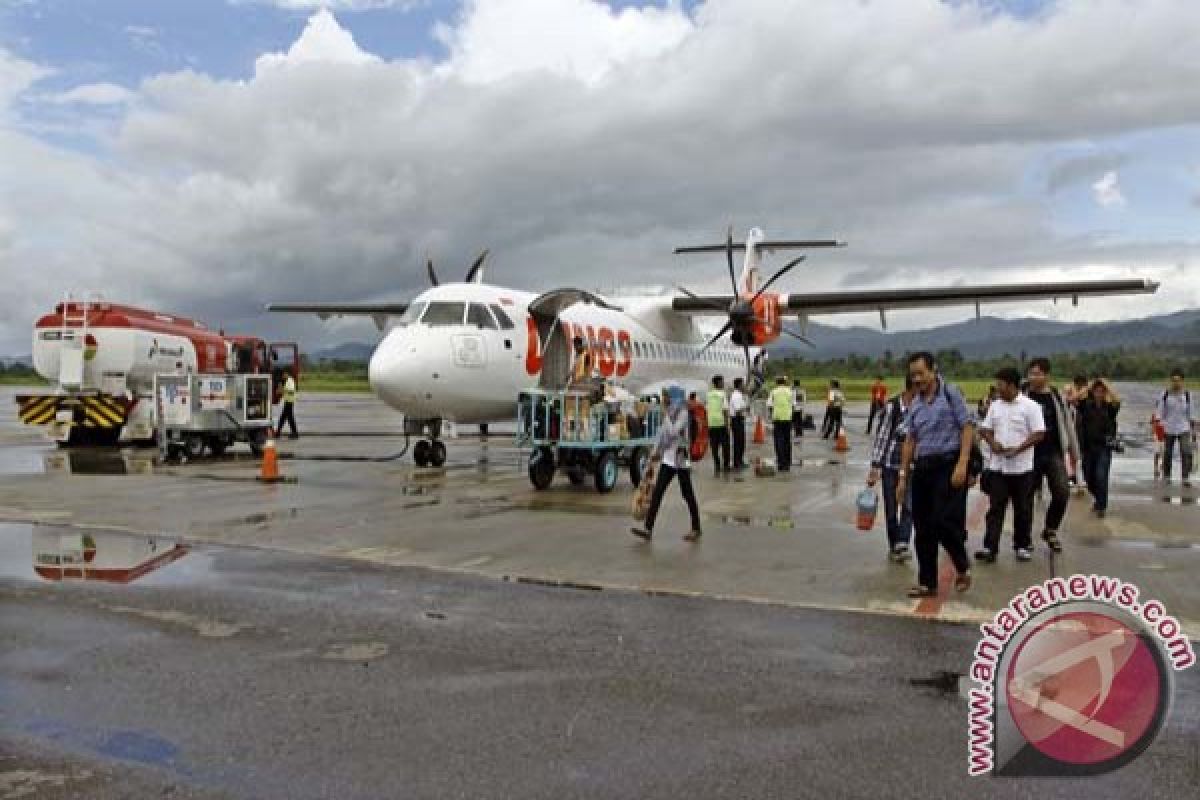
<point x="766" y="325"/>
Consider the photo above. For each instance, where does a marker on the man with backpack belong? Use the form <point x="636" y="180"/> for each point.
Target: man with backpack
<point x="885" y="463"/>
<point x="1051" y="453"/>
<point x="1174" y="410"/>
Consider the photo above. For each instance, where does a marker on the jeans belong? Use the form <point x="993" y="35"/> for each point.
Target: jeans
<point x="898" y="514"/>
<point x="781" y="430"/>
<point x="666" y="474"/>
<point x="1054" y="470"/>
<point x="1185" y="454"/>
<point x="738" y="424"/>
<point x="1001" y="489"/>
<point x="939" y="512"/>
<point x="718" y="441"/>
<point x="1097" y="461"/>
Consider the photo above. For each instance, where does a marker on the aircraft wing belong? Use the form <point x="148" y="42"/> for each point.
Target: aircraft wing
<point x="379" y="312"/>
<point x="856" y="300"/>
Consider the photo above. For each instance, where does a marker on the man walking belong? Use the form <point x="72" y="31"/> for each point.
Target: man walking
<point x="288" y="414"/>
<point x="738" y="403"/>
<point x="835" y="402"/>
<point x="717" y="411"/>
<point x="940" y="433"/>
<point x="673" y="449"/>
<point x="1051" y="453"/>
<point x="781" y="423"/>
<point x="879" y="396"/>
<point x="799" y="401"/>
<point x="885" y="463"/>
<point x="1012" y="428"/>
<point x="1175" y="413"/>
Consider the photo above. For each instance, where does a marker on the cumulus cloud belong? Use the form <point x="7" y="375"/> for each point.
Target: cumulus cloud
<point x="1076" y="170"/>
<point x="340" y="5"/>
<point x="94" y="94"/>
<point x="1107" y="190"/>
<point x="581" y="144"/>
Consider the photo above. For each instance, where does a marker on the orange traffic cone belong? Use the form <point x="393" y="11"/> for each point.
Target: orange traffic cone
<point x="843" y="444"/>
<point x="270" y="461"/>
<point x="760" y="430"/>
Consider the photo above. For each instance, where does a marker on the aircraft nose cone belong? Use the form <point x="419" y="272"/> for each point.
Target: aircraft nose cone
<point x="386" y="374"/>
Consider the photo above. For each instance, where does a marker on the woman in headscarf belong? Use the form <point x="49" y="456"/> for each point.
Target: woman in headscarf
<point x="1096" y="424"/>
<point x="673" y="448"/>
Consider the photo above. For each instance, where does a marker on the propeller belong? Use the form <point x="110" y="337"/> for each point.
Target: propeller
<point x="474" y="272"/>
<point x="433" y="279"/>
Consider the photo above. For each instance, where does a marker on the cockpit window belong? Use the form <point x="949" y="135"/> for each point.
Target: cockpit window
<point x="480" y="317"/>
<point x="411" y="314"/>
<point x="442" y="315"/>
<point x="505" y="321"/>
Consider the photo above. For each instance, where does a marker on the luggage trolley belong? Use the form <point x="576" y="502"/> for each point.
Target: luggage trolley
<point x="574" y="431"/>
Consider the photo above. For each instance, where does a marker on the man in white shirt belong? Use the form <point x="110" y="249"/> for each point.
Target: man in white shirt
<point x="738" y="403"/>
<point x="1012" y="428"/>
<point x="1175" y="410"/>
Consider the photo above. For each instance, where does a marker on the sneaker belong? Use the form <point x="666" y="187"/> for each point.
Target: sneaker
<point x="900" y="553"/>
<point x="1051" y="539"/>
<point x="694" y="536"/>
<point x="986" y="556"/>
<point x="642" y="533"/>
<point x="1024" y="554"/>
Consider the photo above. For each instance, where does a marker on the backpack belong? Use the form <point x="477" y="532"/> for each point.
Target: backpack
<point x="1187" y="400"/>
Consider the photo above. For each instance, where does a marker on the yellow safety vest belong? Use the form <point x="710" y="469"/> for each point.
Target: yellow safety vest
<point x="716" y="408"/>
<point x="781" y="403"/>
<point x="289" y="390"/>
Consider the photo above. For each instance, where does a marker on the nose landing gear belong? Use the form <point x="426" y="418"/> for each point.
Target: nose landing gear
<point x="429" y="453"/>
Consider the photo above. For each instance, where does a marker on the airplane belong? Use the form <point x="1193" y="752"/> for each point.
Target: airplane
<point x="462" y="352"/>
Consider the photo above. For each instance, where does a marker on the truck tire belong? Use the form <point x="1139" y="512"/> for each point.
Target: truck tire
<point x="541" y="468"/>
<point x="639" y="460"/>
<point x="193" y="446"/>
<point x="606" y="472"/>
<point x="216" y="446"/>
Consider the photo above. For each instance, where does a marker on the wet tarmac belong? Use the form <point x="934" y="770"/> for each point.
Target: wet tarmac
<point x="210" y="560"/>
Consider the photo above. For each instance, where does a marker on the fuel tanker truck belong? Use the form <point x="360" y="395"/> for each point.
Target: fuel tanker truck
<point x="104" y="361"/>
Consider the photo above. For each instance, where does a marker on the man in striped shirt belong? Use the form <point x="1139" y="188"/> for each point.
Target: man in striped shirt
<point x="885" y="464"/>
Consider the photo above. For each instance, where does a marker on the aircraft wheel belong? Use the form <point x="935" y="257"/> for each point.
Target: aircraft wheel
<point x="541" y="468"/>
<point x="437" y="453"/>
<point x="639" y="461"/>
<point x="606" y="473"/>
<point x="193" y="446"/>
<point x="421" y="453"/>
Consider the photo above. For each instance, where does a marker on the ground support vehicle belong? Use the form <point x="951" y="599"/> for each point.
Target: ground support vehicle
<point x="571" y="431"/>
<point x="199" y="414"/>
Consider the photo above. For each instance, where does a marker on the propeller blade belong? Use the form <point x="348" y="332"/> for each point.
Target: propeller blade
<point x="724" y="330"/>
<point x="795" y="335"/>
<point x="783" y="271"/>
<point x="729" y="260"/>
<point x="475" y="273"/>
<point x="694" y="296"/>
<point x="432" y="275"/>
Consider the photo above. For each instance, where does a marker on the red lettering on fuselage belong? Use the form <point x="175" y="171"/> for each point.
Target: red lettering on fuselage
<point x="607" y="348"/>
<point x="625" y="345"/>
<point x="533" y="350"/>
<point x="604" y="347"/>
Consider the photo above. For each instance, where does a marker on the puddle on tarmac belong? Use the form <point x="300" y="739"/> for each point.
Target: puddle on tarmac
<point x="56" y="554"/>
<point x="1138" y="544"/>
<point x="782" y="521"/>
<point x="99" y="461"/>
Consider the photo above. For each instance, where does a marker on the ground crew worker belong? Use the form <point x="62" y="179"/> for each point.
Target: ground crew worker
<point x="738" y="403"/>
<point x="937" y="448"/>
<point x="716" y="406"/>
<point x="288" y="414"/>
<point x="835" y="402"/>
<point x="583" y="362"/>
<point x="781" y="423"/>
<point x="879" y="396"/>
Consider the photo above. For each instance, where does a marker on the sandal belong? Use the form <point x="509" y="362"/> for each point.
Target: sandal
<point x="921" y="591"/>
<point x="963" y="581"/>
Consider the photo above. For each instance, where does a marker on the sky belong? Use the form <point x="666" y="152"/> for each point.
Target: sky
<point x="208" y="156"/>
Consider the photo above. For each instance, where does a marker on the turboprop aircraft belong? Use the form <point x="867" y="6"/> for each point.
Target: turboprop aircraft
<point x="462" y="352"/>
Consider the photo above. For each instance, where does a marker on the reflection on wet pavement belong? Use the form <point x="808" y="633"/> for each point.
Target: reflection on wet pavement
<point x="54" y="553"/>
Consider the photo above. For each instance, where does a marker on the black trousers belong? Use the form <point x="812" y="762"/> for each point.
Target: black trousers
<point x="939" y="517"/>
<point x="782" y="433"/>
<point x="1054" y="470"/>
<point x="738" y="429"/>
<point x="666" y="474"/>
<point x="718" y="442"/>
<point x="833" y="422"/>
<point x="289" y="416"/>
<point x="1001" y="490"/>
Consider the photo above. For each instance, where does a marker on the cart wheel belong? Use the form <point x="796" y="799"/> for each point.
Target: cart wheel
<point x="576" y="476"/>
<point x="216" y="446"/>
<point x="437" y="453"/>
<point x="421" y="453"/>
<point x="639" y="460"/>
<point x="606" y="473"/>
<point x="193" y="446"/>
<point x="541" y="468"/>
<point x="257" y="441"/>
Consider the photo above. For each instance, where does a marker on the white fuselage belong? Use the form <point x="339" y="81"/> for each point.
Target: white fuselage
<point x="447" y="360"/>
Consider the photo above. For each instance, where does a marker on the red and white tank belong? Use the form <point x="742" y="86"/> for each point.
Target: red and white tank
<point x="123" y="347"/>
